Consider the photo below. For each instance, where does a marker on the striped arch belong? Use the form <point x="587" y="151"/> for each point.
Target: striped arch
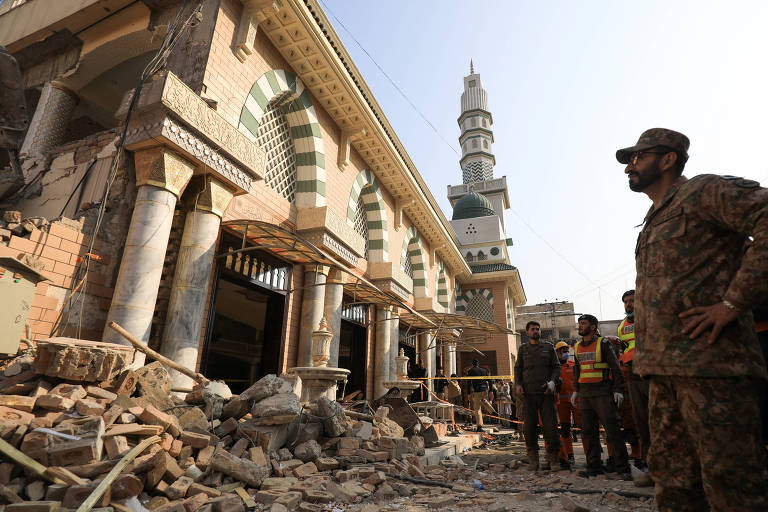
<point x="413" y="252"/>
<point x="442" y="285"/>
<point x="305" y="130"/>
<point x="477" y="303"/>
<point x="367" y="186"/>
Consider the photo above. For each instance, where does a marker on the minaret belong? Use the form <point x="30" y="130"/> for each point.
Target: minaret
<point x="476" y="137"/>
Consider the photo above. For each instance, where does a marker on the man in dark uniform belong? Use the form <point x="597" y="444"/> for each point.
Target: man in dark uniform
<point x="479" y="389"/>
<point x="599" y="386"/>
<point x="695" y="333"/>
<point x="536" y="370"/>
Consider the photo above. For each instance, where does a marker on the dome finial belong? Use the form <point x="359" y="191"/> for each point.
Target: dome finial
<point x="471" y="67"/>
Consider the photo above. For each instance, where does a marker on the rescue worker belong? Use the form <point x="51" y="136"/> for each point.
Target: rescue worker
<point x="565" y="409"/>
<point x="598" y="385"/>
<point x="696" y="338"/>
<point x="479" y="394"/>
<point x="637" y="386"/>
<point x="536" y="370"/>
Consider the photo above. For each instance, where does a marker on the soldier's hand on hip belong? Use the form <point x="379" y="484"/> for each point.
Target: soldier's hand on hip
<point x="713" y="317"/>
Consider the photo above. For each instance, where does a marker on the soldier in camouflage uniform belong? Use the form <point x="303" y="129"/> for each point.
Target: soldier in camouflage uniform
<point x="695" y="334"/>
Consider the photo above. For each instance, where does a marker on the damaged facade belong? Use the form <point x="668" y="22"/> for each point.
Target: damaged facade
<point x="259" y="189"/>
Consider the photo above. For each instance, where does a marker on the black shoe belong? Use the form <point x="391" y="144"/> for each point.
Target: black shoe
<point x="640" y="464"/>
<point x="571" y="460"/>
<point x="545" y="467"/>
<point x="564" y="464"/>
<point x="610" y="466"/>
<point x="591" y="473"/>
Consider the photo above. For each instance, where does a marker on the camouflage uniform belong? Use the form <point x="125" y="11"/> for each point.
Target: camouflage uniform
<point x="703" y="413"/>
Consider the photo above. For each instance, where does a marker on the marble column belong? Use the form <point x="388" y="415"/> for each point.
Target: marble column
<point x="311" y="310"/>
<point x="382" y="350"/>
<point x="429" y="360"/>
<point x="334" y="293"/>
<point x="161" y="177"/>
<point x="192" y="279"/>
<point x="451" y="359"/>
<point x="50" y="121"/>
<point x="394" y="346"/>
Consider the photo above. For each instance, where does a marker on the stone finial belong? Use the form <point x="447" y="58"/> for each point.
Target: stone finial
<point x="471" y="67"/>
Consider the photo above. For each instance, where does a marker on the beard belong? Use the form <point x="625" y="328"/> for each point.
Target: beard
<point x="535" y="337"/>
<point x="649" y="177"/>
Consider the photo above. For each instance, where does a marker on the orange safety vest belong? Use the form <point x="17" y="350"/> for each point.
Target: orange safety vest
<point x="627" y="334"/>
<point x="591" y="365"/>
<point x="566" y="376"/>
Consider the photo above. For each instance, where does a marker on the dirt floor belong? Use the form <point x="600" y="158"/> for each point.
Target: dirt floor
<point x="501" y="465"/>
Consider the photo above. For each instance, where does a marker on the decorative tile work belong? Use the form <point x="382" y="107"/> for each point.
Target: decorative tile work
<point x="366" y="187"/>
<point x="477" y="303"/>
<point x="478" y="170"/>
<point x="442" y="284"/>
<point x="413" y="254"/>
<point x="304" y="129"/>
<point x="274" y="137"/>
<point x="50" y="120"/>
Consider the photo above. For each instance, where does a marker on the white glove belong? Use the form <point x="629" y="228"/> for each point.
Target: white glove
<point x="574" y="397"/>
<point x="551" y="386"/>
<point x="619" y="399"/>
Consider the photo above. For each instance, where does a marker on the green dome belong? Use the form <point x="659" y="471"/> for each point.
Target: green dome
<point x="471" y="206"/>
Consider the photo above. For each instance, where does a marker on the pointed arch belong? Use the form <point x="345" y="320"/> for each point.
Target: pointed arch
<point x="296" y="104"/>
<point x="366" y="187"/>
<point x="414" y="253"/>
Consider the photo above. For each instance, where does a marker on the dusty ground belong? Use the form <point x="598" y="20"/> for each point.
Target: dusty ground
<point x="492" y="465"/>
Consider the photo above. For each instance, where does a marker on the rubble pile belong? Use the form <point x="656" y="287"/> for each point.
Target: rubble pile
<point x="74" y="409"/>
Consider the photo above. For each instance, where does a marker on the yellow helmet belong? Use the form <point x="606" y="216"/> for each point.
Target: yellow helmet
<point x="561" y="344"/>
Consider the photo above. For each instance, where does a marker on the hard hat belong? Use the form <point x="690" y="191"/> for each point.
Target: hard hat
<point x="561" y="344"/>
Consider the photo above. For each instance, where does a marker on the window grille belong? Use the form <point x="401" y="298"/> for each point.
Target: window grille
<point x="354" y="313"/>
<point x="361" y="223"/>
<point x="469" y="256"/>
<point x="481" y="256"/>
<point x="408" y="267"/>
<point x="479" y="307"/>
<point x="274" y="137"/>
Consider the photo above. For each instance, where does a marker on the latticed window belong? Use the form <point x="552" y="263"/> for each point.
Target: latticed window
<point x="274" y="137"/>
<point x="479" y="307"/>
<point x="407" y="266"/>
<point x="361" y="223"/>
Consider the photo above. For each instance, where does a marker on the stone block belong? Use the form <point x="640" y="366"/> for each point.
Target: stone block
<point x="71" y="453"/>
<point x="256" y="454"/>
<point x="243" y="470"/>
<point x="204" y="457"/>
<point x="15" y="417"/>
<point x="200" y="488"/>
<point x="77" y="494"/>
<point x="336" y="421"/>
<point x="20" y="403"/>
<point x="194" y="439"/>
<point x="193" y="503"/>
<point x="152" y="416"/>
<point x="307" y="451"/>
<point x="116" y="446"/>
<point x="349" y="442"/>
<point x="73" y="391"/>
<point x="126" y="383"/>
<point x="89" y="407"/>
<point x="97" y="392"/>
<point x="178" y="489"/>
<point x="270" y="437"/>
<point x="326" y="463"/>
<point x="34" y="506"/>
<point x="305" y="470"/>
<point x="276" y="410"/>
<point x="56" y="492"/>
<point x="125" y="486"/>
<point x="53" y="402"/>
<point x="290" y="499"/>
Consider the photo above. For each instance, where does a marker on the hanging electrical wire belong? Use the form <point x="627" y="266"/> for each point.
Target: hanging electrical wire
<point x="186" y="17"/>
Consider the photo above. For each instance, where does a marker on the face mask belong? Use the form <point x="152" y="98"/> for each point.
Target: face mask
<point x="564" y="357"/>
<point x="631" y="316"/>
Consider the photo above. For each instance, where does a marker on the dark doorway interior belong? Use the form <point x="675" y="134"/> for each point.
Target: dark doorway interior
<point x="245" y="326"/>
<point x="352" y="356"/>
<point x="487" y="361"/>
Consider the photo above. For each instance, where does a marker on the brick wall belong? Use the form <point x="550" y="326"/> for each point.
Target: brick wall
<point x="60" y="248"/>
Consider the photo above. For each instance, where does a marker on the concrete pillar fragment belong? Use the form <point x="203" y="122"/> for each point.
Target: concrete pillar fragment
<point x="382" y="345"/>
<point x="334" y="293"/>
<point x="429" y="360"/>
<point x="161" y="176"/>
<point x="50" y="121"/>
<point x="192" y="278"/>
<point x="311" y="310"/>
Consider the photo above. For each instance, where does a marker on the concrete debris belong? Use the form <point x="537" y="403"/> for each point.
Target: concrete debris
<point x="259" y="451"/>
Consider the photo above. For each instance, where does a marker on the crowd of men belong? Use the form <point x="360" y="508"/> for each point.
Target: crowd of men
<point x="689" y="365"/>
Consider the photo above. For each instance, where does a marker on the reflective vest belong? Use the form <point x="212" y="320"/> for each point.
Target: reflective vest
<point x="627" y="334"/>
<point x="566" y="376"/>
<point x="591" y="365"/>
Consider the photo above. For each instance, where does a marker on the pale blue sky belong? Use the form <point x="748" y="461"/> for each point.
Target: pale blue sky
<point x="568" y="84"/>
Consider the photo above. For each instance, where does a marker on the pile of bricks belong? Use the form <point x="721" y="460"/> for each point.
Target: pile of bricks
<point x="258" y="450"/>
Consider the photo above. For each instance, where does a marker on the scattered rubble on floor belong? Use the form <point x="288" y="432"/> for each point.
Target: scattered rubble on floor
<point x="82" y="431"/>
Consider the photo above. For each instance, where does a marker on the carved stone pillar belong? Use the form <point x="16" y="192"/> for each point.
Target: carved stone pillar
<point x="312" y="311"/>
<point x="394" y="346"/>
<point x="334" y="293"/>
<point x="381" y="350"/>
<point x="192" y="279"/>
<point x="50" y="121"/>
<point x="161" y="176"/>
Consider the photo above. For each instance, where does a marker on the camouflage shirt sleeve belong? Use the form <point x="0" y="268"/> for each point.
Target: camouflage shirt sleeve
<point x="741" y="205"/>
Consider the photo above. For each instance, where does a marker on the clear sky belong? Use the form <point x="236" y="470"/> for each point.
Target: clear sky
<point x="568" y="84"/>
